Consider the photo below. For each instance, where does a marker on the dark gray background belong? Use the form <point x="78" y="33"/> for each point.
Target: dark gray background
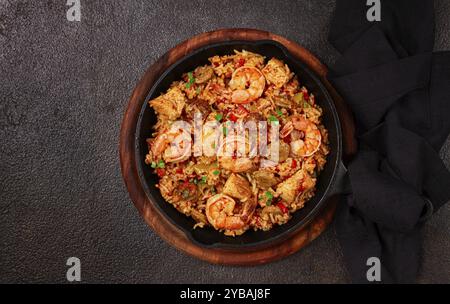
<point x="63" y="89"/>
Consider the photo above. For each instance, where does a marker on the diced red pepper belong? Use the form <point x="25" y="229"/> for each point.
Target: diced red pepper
<point x="305" y="95"/>
<point x="282" y="207"/>
<point x="187" y="185"/>
<point x="241" y="62"/>
<point x="294" y="164"/>
<point x="179" y="170"/>
<point x="221" y="100"/>
<point x="287" y="139"/>
<point x="242" y="110"/>
<point x="160" y="172"/>
<point x="232" y="117"/>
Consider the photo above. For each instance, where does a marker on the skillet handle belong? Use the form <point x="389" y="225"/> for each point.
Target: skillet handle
<point x="342" y="182"/>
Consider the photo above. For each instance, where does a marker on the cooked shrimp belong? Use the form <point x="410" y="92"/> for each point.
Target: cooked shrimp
<point x="311" y="140"/>
<point x="248" y="84"/>
<point x="173" y="145"/>
<point x="287" y="129"/>
<point x="220" y="213"/>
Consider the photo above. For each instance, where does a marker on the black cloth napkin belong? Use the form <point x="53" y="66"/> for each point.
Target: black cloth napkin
<point x="399" y="92"/>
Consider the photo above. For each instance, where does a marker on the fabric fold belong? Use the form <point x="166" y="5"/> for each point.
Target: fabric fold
<point x="399" y="92"/>
<point x="383" y="85"/>
<point x="381" y="196"/>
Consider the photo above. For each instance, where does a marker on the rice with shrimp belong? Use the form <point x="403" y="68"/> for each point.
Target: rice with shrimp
<point x="237" y="192"/>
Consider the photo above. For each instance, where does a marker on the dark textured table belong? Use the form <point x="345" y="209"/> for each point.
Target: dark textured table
<point x="63" y="90"/>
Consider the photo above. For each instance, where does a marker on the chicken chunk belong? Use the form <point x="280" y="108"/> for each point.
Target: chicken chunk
<point x="276" y="72"/>
<point x="169" y="105"/>
<point x="265" y="179"/>
<point x="238" y="187"/>
<point x="283" y="152"/>
<point x="203" y="74"/>
<point x="196" y="106"/>
<point x="293" y="186"/>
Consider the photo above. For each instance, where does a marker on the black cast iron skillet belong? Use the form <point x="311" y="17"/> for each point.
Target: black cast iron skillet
<point x="330" y="180"/>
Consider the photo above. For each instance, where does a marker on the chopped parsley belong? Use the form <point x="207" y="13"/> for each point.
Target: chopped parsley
<point x="269" y="195"/>
<point x="279" y="112"/>
<point x="161" y="164"/>
<point x="273" y="119"/>
<point x="191" y="80"/>
<point x="219" y="117"/>
<point x="225" y="130"/>
<point x="216" y="172"/>
<point x="153" y="165"/>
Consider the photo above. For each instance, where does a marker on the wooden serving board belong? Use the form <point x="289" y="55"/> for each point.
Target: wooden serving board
<point x="151" y="214"/>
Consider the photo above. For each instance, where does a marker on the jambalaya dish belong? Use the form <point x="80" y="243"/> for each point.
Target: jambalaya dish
<point x="239" y="191"/>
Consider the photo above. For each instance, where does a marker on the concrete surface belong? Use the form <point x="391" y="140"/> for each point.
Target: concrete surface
<point x="63" y="89"/>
